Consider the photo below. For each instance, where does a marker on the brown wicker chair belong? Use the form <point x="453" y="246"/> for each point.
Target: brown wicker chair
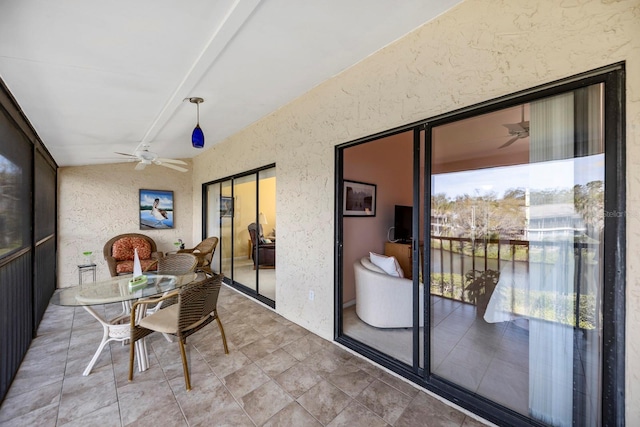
<point x="195" y="309"/>
<point x="118" y="252"/>
<point x="175" y="264"/>
<point x="204" y="251"/>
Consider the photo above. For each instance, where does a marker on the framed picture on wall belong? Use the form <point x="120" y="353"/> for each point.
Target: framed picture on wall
<point x="359" y="199"/>
<point x="226" y="206"/>
<point x="156" y="209"/>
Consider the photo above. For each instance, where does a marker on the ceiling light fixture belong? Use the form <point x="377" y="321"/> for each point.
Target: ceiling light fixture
<point x="197" y="137"/>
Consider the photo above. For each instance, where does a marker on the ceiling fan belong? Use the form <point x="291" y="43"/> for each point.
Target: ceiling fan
<point x="516" y="130"/>
<point x="146" y="157"/>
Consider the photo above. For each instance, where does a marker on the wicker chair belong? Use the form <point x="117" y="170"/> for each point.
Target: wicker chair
<point x="118" y="252"/>
<point x="204" y="251"/>
<point x="175" y="264"/>
<point x="195" y="309"/>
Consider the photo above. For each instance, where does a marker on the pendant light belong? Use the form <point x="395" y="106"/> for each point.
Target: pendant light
<point x="197" y="137"/>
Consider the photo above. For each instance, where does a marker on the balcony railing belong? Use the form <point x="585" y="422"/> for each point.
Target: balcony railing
<point x="468" y="270"/>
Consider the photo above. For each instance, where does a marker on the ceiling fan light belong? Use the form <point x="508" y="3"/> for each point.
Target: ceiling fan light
<point x="197" y="137"/>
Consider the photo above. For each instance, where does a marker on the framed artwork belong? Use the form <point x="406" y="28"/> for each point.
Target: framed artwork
<point x="156" y="209"/>
<point x="359" y="199"/>
<point x="226" y="206"/>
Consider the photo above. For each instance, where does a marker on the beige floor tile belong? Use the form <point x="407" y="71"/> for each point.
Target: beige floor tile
<point x="356" y="415"/>
<point x="384" y="401"/>
<point x="44" y="415"/>
<point x="265" y="401"/>
<point x="324" y="401"/>
<point x="302" y="348"/>
<point x="208" y="401"/>
<point x="292" y="415"/>
<point x="18" y="405"/>
<point x="245" y="380"/>
<point x="106" y="416"/>
<point x="350" y="379"/>
<point x="226" y="364"/>
<point x="259" y="349"/>
<point x="277" y="362"/>
<point x="77" y="401"/>
<point x="144" y="399"/>
<point x="298" y="379"/>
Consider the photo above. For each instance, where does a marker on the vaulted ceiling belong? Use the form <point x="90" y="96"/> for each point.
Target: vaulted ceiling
<point x="96" y="78"/>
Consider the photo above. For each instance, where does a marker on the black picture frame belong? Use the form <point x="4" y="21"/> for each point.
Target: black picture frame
<point x="359" y="198"/>
<point x="226" y="206"/>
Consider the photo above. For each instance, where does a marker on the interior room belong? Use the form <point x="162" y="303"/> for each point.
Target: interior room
<point x="312" y="129"/>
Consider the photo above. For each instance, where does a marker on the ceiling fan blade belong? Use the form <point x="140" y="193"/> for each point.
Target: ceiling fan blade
<point x="140" y="166"/>
<point x="171" y="166"/>
<point x="175" y="161"/>
<point x="509" y="142"/>
<point x="125" y="154"/>
<point x="515" y="128"/>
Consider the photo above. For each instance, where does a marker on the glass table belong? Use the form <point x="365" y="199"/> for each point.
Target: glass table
<point x="118" y="290"/>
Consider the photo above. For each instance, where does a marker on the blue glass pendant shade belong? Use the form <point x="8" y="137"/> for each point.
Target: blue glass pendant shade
<point x="197" y="137"/>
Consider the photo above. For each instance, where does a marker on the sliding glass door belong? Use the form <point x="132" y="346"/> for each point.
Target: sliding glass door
<point x="516" y="269"/>
<point x="236" y="206"/>
<point x="508" y="284"/>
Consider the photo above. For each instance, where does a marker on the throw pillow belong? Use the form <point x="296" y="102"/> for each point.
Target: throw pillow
<point x="389" y="264"/>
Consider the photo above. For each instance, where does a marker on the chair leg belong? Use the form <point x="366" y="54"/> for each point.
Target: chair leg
<point x="224" y="338"/>
<point x="185" y="367"/>
<point x="131" y="351"/>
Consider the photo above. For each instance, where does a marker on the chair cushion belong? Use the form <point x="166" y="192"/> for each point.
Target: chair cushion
<point x="389" y="264"/>
<point x="127" y="266"/>
<point x="123" y="249"/>
<point x="164" y="320"/>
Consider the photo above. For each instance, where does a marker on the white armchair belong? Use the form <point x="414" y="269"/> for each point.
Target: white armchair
<point x="382" y="300"/>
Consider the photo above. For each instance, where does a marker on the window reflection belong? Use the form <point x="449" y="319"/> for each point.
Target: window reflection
<point x="516" y="256"/>
<point x="11" y="222"/>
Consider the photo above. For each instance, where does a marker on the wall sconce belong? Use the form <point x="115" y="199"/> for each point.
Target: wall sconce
<point x="197" y="137"/>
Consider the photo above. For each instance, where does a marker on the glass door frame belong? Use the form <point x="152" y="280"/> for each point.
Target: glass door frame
<point x="613" y="301"/>
<point x="205" y="203"/>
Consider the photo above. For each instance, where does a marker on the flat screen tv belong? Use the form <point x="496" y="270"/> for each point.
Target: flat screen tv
<point x="402" y="223"/>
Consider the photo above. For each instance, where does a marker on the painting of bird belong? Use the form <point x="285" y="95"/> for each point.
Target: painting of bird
<point x="156" y="209"/>
<point x="157" y="213"/>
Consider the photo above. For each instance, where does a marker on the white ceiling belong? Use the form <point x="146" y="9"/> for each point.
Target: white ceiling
<point x="94" y="77"/>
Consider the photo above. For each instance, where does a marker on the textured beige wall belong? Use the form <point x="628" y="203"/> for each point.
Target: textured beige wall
<point x="98" y="202"/>
<point x="480" y="50"/>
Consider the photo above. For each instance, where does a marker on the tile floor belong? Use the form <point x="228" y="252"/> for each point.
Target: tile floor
<point x="276" y="374"/>
<point x="491" y="359"/>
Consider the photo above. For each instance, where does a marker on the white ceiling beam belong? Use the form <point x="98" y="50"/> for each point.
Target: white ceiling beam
<point x="220" y="38"/>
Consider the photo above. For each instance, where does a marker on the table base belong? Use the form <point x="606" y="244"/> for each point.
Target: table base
<point x="117" y="329"/>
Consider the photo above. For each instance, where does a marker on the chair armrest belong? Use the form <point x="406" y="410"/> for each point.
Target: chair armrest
<point x="146" y="301"/>
<point x="111" y="263"/>
<point x="150" y="266"/>
<point x="157" y="255"/>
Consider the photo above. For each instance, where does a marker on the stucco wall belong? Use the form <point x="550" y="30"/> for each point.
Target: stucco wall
<point x="101" y="201"/>
<point x="480" y="50"/>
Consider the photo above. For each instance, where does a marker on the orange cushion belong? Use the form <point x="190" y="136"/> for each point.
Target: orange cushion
<point x="127" y="266"/>
<point x="123" y="249"/>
